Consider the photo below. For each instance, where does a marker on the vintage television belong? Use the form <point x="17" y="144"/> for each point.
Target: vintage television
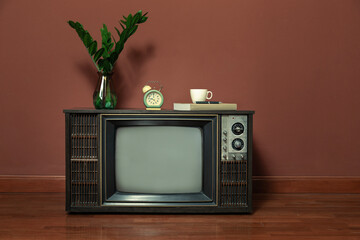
<point x="158" y="161"/>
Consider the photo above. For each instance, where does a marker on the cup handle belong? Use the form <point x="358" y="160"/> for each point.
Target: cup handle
<point x="207" y="95"/>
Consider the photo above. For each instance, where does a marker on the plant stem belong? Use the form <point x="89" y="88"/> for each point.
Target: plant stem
<point x="97" y="67"/>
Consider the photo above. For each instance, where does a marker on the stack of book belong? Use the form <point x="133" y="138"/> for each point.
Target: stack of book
<point x="204" y="106"/>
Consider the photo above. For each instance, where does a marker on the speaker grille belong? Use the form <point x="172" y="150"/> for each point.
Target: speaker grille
<point x="234" y="183"/>
<point x="84" y="161"/>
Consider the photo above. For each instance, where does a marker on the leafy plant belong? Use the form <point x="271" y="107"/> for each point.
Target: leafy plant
<point x="105" y="57"/>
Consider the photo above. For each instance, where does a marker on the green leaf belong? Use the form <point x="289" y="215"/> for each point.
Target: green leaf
<point x="123" y="36"/>
<point x="104" y="33"/>
<point x="81" y="33"/>
<point x="119" y="47"/>
<point x="129" y="20"/>
<point x="98" y="54"/>
<point x="72" y="24"/>
<point x="78" y="25"/>
<point x="106" y="40"/>
<point x="133" y="30"/>
<point x="114" y="39"/>
<point x="101" y="63"/>
<point x="143" y="19"/>
<point x="113" y="57"/>
<point x="80" y="30"/>
<point x="106" y="54"/>
<point x="136" y="19"/>
<point x="93" y="48"/>
<point x="118" y="32"/>
<point x="105" y="65"/>
<point x="87" y="39"/>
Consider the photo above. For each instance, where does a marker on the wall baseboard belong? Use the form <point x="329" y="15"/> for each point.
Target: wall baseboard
<point x="305" y="184"/>
<point x="31" y="183"/>
<point x="261" y="184"/>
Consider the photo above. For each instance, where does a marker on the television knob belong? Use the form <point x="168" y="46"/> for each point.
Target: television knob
<point x="242" y="157"/>
<point x="225" y="132"/>
<point x="225" y="148"/>
<point x="224" y="139"/>
<point x="237" y="128"/>
<point x="233" y="156"/>
<point x="224" y="156"/>
<point x="237" y="144"/>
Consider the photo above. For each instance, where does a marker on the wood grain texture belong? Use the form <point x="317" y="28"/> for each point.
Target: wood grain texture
<point x="276" y="216"/>
<point x="270" y="184"/>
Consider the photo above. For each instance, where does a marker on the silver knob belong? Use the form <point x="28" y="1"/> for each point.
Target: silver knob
<point x="224" y="139"/>
<point x="237" y="144"/>
<point x="224" y="156"/>
<point x="237" y="128"/>
<point x="225" y="132"/>
<point x="225" y="148"/>
<point x="233" y="156"/>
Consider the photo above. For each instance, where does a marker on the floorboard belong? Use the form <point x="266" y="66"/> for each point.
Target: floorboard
<point x="276" y="216"/>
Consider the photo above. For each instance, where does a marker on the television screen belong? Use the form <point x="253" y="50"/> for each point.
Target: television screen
<point x="158" y="159"/>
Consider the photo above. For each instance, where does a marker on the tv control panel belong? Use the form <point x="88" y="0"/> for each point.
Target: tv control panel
<point x="234" y="131"/>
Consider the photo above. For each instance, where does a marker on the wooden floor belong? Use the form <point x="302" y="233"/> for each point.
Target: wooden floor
<point x="281" y="216"/>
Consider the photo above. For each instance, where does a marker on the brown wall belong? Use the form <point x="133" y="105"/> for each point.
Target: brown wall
<point x="295" y="62"/>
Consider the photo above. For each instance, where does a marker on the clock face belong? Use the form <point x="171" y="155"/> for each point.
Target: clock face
<point x="153" y="98"/>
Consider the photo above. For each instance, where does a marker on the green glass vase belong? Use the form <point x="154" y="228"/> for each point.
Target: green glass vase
<point x="104" y="95"/>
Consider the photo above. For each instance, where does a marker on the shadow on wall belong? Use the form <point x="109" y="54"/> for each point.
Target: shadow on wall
<point x="259" y="165"/>
<point x="130" y="72"/>
<point x="259" y="169"/>
<point x="89" y="71"/>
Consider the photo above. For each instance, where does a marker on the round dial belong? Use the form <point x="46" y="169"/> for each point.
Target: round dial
<point x="237" y="128"/>
<point x="153" y="98"/>
<point x="237" y="144"/>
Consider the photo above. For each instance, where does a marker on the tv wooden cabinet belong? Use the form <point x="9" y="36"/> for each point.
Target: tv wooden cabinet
<point x="224" y="156"/>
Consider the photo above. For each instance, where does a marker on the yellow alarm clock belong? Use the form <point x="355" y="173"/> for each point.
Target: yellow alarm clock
<point x="153" y="99"/>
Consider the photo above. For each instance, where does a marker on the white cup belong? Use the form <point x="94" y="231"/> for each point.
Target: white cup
<point x="200" y="95"/>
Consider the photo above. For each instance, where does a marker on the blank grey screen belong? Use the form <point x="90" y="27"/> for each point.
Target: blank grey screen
<point x="158" y="159"/>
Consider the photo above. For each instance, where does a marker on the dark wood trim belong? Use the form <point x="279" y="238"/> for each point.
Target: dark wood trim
<point x="31" y="183"/>
<point x="261" y="184"/>
<point x="305" y="184"/>
<point x="68" y="156"/>
<point x="250" y="162"/>
<point x="143" y="111"/>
